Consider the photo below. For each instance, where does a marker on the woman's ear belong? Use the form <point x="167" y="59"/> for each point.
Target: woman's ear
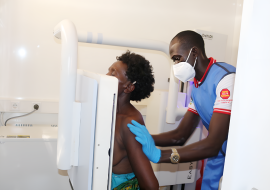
<point x="130" y="88"/>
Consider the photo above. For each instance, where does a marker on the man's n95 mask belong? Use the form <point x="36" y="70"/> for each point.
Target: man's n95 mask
<point x="184" y="71"/>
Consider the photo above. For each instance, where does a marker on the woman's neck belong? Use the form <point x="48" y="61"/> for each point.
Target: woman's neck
<point x="123" y="103"/>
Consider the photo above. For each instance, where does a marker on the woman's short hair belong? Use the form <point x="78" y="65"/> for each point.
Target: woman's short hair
<point x="139" y="70"/>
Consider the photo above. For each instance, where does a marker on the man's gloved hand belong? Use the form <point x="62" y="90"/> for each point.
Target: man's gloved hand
<point x="147" y="141"/>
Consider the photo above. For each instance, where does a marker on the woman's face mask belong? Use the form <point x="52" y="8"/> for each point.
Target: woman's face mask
<point x="184" y="71"/>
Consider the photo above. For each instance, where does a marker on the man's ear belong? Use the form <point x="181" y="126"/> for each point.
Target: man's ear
<point x="130" y="88"/>
<point x="195" y="52"/>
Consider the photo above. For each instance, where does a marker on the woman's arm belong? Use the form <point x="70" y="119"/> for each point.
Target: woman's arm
<point x="138" y="161"/>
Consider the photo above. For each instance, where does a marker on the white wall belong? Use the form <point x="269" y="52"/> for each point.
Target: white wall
<point x="30" y="55"/>
<point x="247" y="157"/>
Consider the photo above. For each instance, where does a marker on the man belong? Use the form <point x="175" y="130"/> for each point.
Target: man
<point x="211" y="101"/>
<point x="131" y="168"/>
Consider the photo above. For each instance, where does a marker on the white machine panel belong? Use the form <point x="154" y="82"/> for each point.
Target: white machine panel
<point x="81" y="176"/>
<point x="30" y="163"/>
<point x="98" y="95"/>
<point x="215" y="45"/>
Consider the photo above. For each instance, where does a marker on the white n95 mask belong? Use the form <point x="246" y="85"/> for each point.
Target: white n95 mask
<point x="184" y="71"/>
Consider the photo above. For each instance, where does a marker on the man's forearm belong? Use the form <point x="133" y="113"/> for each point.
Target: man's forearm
<point x="194" y="152"/>
<point x="209" y="147"/>
<point x="178" y="136"/>
<point x="171" y="138"/>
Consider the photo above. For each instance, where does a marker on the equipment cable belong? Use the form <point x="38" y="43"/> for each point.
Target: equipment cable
<point x="35" y="109"/>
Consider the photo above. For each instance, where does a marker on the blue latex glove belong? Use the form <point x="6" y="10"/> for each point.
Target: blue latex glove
<point x="147" y="141"/>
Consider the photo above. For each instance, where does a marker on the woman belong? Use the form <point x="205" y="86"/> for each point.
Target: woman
<point x="131" y="168"/>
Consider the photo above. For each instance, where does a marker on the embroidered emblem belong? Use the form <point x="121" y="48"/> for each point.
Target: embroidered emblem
<point x="225" y="93"/>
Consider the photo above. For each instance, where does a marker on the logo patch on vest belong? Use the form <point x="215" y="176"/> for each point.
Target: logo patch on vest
<point x="225" y="93"/>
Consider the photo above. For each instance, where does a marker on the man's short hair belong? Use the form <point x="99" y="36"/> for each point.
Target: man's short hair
<point x="139" y="70"/>
<point x="190" y="39"/>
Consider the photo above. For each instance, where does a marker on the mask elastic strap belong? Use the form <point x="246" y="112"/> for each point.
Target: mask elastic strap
<point x="195" y="62"/>
<point x="189" y="54"/>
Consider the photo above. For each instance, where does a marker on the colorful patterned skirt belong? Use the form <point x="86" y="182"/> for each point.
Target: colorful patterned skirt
<point x="124" y="182"/>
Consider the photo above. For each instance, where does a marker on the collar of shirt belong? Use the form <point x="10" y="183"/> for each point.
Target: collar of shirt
<point x="211" y="62"/>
